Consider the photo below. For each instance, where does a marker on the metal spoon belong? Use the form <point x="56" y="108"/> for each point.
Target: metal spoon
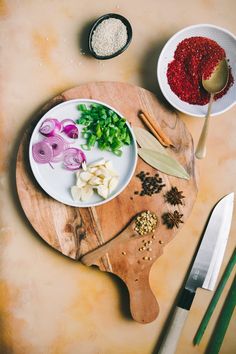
<point x="214" y="84"/>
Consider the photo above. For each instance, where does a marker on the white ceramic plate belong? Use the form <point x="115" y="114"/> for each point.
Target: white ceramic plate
<point x="226" y="40"/>
<point x="58" y="181"/>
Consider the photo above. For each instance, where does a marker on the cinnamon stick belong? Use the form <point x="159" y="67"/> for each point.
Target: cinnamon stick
<point x="155" y="129"/>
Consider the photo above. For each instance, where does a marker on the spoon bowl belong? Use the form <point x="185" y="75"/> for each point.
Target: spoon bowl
<point x="218" y="78"/>
<point x="215" y="83"/>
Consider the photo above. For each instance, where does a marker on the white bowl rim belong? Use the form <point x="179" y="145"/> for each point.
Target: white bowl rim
<point x="161" y="55"/>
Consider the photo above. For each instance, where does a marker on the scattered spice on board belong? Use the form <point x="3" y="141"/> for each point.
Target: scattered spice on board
<point x="174" y="196"/>
<point x="146" y="223"/>
<point x="109" y="37"/>
<point x="150" y="184"/>
<point x="195" y="57"/>
<point x="172" y="219"/>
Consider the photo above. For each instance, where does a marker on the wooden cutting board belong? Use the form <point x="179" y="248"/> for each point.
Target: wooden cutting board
<point x="76" y="231"/>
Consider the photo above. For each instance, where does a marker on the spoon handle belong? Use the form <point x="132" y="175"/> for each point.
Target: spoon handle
<point x="91" y="257"/>
<point x="201" y="146"/>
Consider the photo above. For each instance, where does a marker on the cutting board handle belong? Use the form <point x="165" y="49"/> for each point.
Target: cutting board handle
<point x="143" y="304"/>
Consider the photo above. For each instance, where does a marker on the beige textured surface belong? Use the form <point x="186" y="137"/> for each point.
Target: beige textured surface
<point x="48" y="303"/>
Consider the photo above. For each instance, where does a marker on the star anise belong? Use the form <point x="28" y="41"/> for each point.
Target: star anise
<point x="174" y="196"/>
<point x="172" y="219"/>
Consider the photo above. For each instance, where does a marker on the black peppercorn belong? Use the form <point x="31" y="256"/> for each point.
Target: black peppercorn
<point x="150" y="184"/>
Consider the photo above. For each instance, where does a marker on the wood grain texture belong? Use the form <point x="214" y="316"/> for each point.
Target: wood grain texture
<point x="76" y="231"/>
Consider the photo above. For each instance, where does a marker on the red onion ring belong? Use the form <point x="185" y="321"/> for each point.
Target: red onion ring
<point x="50" y="127"/>
<point x="73" y="158"/>
<point x="57" y="144"/>
<point x="71" y="131"/>
<point x="65" y="122"/>
<point x="42" y="152"/>
<point x="58" y="158"/>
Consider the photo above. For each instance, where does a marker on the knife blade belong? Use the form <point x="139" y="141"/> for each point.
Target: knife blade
<point x="205" y="269"/>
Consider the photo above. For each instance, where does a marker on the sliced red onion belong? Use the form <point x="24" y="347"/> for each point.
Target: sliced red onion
<point x="58" y="158"/>
<point x="57" y="144"/>
<point x="73" y="158"/>
<point x="50" y="127"/>
<point x="42" y="152"/>
<point x="66" y="122"/>
<point x="71" y="131"/>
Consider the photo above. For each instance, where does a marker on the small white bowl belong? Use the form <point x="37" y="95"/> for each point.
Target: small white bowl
<point x="57" y="181"/>
<point x="226" y="40"/>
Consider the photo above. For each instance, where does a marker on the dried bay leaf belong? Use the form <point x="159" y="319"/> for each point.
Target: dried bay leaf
<point x="147" y="140"/>
<point x="156" y="155"/>
<point x="163" y="163"/>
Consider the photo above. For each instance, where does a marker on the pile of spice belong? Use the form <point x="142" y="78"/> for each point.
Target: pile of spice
<point x="109" y="37"/>
<point x="195" y="57"/>
<point x="146" y="223"/>
<point x="150" y="184"/>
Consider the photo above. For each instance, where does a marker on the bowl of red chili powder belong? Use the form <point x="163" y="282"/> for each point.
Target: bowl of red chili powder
<point x="189" y="54"/>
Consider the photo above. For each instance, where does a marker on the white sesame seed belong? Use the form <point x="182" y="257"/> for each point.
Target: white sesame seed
<point x="109" y="37"/>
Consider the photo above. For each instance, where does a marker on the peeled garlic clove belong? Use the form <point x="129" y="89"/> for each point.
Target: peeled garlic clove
<point x="98" y="172"/>
<point x="92" y="169"/>
<point x="85" y="176"/>
<point x="86" y="193"/>
<point x="113" y="172"/>
<point x="106" y="181"/>
<point x="102" y="191"/>
<point x="95" y="181"/>
<point x="108" y="164"/>
<point x="110" y="169"/>
<point x="76" y="193"/>
<point x="84" y="167"/>
<point x="102" y="172"/>
<point x="97" y="163"/>
<point x="78" y="173"/>
<point x="80" y="183"/>
<point x="98" y="176"/>
<point x="113" y="184"/>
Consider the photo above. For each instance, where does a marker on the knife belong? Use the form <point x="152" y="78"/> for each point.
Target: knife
<point x="204" y="271"/>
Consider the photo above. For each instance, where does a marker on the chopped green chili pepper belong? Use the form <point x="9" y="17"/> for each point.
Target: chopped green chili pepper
<point x="104" y="126"/>
<point x="82" y="107"/>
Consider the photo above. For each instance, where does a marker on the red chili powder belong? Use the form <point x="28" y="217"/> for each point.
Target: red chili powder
<point x="193" y="58"/>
